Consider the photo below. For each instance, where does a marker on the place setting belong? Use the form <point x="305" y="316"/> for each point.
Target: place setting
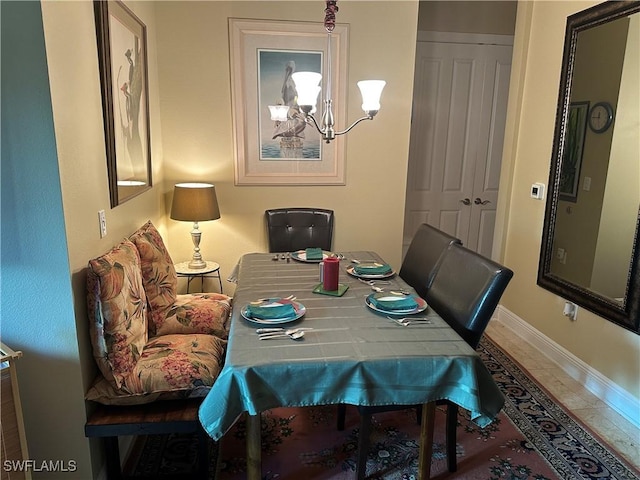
<point x="275" y="333"/>
<point x="396" y="304"/>
<point x="273" y="310"/>
<point x="370" y="270"/>
<point x="311" y="255"/>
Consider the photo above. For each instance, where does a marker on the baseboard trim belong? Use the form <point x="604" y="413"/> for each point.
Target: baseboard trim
<point x="602" y="387"/>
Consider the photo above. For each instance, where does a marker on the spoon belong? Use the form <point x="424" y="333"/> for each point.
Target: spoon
<point x="400" y="321"/>
<point x="294" y="335"/>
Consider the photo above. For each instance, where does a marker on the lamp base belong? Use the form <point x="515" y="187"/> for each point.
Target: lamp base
<point x="197" y="263"/>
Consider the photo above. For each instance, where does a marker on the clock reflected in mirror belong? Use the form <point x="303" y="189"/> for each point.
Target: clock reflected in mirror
<point x="600" y="117"/>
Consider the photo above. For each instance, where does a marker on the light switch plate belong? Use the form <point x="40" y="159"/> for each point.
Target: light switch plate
<point x="103" y="223"/>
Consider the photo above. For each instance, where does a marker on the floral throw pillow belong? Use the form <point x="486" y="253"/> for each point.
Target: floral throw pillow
<point x="197" y="313"/>
<point x="158" y="273"/>
<point x="116" y="305"/>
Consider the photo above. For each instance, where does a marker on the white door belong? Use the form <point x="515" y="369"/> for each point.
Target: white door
<point x="459" y="111"/>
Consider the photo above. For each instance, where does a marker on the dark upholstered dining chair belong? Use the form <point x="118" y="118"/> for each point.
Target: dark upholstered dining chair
<point x="291" y="229"/>
<point x="418" y="269"/>
<point x="419" y="264"/>
<point x="465" y="291"/>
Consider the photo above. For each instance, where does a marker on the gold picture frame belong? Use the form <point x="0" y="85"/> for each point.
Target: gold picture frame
<point x="263" y="54"/>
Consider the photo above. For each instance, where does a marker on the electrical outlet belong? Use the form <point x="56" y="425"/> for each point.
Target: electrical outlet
<point x="103" y="223"/>
<point x="561" y="255"/>
<point x="570" y="310"/>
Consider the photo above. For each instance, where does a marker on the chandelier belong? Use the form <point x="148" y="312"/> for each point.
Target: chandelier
<point x="307" y="86"/>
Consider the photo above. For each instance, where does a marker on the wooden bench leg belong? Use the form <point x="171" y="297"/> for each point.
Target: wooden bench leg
<point x="203" y="455"/>
<point x="112" y="452"/>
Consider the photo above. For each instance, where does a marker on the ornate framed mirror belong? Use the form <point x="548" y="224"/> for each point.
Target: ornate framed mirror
<point x="590" y="253"/>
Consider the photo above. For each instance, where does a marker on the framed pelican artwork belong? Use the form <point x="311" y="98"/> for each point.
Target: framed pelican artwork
<point x="122" y="57"/>
<point x="273" y="143"/>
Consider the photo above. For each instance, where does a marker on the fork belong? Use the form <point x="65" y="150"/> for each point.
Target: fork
<point x="268" y="333"/>
<point x="399" y="321"/>
<point x="271" y="330"/>
<point x="373" y="282"/>
<point x="260" y="300"/>
<point x="405" y="322"/>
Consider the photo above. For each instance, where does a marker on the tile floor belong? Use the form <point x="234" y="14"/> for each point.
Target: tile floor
<point x="618" y="432"/>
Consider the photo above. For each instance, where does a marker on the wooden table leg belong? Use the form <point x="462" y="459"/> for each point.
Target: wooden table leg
<point x="254" y="460"/>
<point x="426" y="440"/>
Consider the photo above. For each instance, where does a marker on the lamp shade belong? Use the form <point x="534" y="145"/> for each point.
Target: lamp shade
<point x="195" y="202"/>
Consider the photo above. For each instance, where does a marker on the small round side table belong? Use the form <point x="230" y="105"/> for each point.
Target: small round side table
<point x="212" y="270"/>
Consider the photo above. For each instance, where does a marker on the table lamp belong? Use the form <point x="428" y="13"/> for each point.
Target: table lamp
<point x="195" y="202"/>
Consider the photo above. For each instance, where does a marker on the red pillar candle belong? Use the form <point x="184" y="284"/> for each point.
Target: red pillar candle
<point x="330" y="274"/>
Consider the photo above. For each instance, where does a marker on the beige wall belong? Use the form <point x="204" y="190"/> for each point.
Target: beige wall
<point x="608" y="348"/>
<point x="198" y="137"/>
<point x="75" y="92"/>
<point x="495" y="17"/>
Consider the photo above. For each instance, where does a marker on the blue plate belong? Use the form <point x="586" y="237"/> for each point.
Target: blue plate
<point x="422" y="306"/>
<point x="371" y="276"/>
<point x="298" y="307"/>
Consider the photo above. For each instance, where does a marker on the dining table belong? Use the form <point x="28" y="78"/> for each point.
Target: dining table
<point x="351" y="353"/>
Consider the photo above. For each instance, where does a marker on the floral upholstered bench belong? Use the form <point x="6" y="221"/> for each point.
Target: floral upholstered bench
<point x="150" y="343"/>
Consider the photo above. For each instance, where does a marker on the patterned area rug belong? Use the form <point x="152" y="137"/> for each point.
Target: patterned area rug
<point x="533" y="438"/>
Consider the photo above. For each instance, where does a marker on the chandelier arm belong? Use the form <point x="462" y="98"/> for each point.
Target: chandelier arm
<point x="314" y="122"/>
<point x="366" y="117"/>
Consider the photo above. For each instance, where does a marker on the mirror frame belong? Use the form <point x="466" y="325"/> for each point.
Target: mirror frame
<point x="628" y="314"/>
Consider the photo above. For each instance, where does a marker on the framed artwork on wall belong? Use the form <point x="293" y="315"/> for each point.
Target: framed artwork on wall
<point x="264" y="55"/>
<point x="122" y="57"/>
<point x="573" y="148"/>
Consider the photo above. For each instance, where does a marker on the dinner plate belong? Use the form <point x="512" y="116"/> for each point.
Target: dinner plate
<point x="297" y="306"/>
<point x="301" y="256"/>
<point x="422" y="306"/>
<point x="351" y="270"/>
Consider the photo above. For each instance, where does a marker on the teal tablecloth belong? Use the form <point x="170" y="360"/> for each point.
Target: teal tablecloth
<point x="354" y="355"/>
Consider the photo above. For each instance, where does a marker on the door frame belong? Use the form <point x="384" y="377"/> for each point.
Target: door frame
<point x="455" y="37"/>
